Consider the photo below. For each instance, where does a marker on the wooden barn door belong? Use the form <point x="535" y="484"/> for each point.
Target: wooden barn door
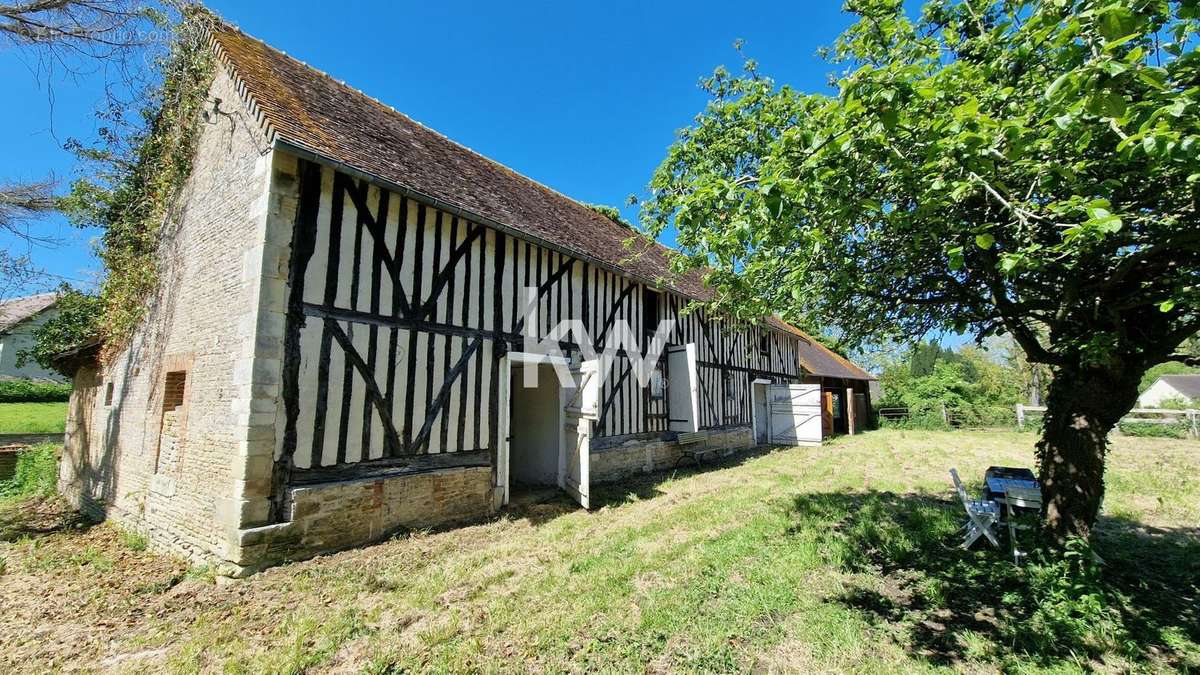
<point x="827" y="413"/>
<point x="795" y="413"/>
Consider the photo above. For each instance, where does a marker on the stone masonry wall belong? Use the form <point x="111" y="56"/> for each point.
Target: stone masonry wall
<point x="335" y="516"/>
<point x="202" y="326"/>
<point x="635" y="456"/>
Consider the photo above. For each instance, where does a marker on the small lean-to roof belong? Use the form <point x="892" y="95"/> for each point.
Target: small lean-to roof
<point x="16" y="310"/>
<point x="1188" y="385"/>
<point x="817" y="359"/>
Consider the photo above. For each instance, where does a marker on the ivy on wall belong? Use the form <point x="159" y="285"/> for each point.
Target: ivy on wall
<point x="136" y="174"/>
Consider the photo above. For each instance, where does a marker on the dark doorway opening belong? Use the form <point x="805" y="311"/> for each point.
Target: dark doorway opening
<point x="535" y="432"/>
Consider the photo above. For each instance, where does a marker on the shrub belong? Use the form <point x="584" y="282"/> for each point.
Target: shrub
<point x="1149" y="430"/>
<point x="36" y="473"/>
<point x="922" y="421"/>
<point x="28" y="391"/>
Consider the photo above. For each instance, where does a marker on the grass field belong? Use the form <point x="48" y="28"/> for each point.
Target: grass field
<point x="32" y="418"/>
<point x="805" y="559"/>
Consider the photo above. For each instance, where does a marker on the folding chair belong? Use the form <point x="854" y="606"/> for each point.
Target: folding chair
<point x="983" y="515"/>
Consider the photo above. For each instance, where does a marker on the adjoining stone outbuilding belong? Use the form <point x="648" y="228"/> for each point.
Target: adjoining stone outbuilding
<point x="337" y="345"/>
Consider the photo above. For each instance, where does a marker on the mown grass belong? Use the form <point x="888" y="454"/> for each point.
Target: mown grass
<point x="32" y="418"/>
<point x="805" y="559"/>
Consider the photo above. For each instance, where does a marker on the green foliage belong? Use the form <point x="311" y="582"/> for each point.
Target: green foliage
<point x="1070" y="606"/>
<point x="989" y="168"/>
<point x="925" y="355"/>
<point x="985" y="166"/>
<point x="36" y="473"/>
<point x="610" y="212"/>
<point x="1176" y="403"/>
<point x="28" y="391"/>
<point x="77" y="322"/>
<point x="135" y="177"/>
<point x="1150" y="430"/>
<point x="974" y="388"/>
<point x="1025" y="167"/>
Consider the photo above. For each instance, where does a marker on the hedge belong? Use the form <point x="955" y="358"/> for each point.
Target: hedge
<point x="1176" y="430"/>
<point x="28" y="391"/>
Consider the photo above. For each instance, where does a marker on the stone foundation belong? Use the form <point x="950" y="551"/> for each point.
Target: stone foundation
<point x="617" y="459"/>
<point x="332" y="516"/>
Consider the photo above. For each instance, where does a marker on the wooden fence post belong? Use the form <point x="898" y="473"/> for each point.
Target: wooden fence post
<point x="1021" y="416"/>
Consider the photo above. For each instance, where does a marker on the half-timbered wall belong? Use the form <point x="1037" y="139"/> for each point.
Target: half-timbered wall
<point x="399" y="314"/>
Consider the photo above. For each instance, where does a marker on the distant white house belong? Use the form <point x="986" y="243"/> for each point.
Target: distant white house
<point x="19" y="320"/>
<point x="1171" y="387"/>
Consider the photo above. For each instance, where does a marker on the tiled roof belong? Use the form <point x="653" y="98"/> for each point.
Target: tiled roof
<point x="817" y="359"/>
<point x="16" y="310"/>
<point x="310" y="110"/>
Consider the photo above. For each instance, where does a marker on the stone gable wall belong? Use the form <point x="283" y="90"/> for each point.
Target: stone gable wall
<point x="203" y="323"/>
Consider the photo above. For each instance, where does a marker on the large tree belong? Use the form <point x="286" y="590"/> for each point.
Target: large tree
<point x="993" y="167"/>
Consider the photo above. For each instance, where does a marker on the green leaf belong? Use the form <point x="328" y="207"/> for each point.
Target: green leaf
<point x="1114" y="104"/>
<point x="1057" y="84"/>
<point x="1116" y="22"/>
<point x="956" y="258"/>
<point x="984" y="240"/>
<point x="1166" y="305"/>
<point x="967" y="111"/>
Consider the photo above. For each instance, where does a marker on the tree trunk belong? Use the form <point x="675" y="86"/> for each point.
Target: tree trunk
<point x="1082" y="407"/>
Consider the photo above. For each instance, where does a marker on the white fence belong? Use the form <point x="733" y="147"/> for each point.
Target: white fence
<point x="1190" y="417"/>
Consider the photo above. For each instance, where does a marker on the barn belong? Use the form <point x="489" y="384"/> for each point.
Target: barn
<point x="359" y="329"/>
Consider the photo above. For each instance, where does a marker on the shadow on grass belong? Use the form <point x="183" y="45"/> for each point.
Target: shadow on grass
<point x="39" y="516"/>
<point x="639" y="487"/>
<point x="946" y="605"/>
<point x="540" y="505"/>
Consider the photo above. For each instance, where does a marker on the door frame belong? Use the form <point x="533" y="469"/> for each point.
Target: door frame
<point x="505" y="414"/>
<point x="754" y="421"/>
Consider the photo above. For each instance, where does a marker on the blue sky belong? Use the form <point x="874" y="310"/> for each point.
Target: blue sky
<point x="584" y="97"/>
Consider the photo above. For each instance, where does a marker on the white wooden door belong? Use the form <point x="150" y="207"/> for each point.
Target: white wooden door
<point x="683" y="389"/>
<point x="574" y="463"/>
<point x="576" y="468"/>
<point x="794" y="413"/>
